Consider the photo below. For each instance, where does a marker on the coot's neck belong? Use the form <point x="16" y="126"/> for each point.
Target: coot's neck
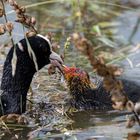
<point x="15" y="87"/>
<point x="25" y="70"/>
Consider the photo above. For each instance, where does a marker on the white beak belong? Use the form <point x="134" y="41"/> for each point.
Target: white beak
<point x="55" y="56"/>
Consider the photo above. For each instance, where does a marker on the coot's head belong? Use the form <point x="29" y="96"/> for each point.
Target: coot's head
<point x="47" y="51"/>
<point x="41" y="50"/>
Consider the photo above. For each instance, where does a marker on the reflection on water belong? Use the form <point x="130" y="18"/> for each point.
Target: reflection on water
<point x="88" y="125"/>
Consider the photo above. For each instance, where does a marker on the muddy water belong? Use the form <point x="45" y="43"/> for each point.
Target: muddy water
<point x="45" y="111"/>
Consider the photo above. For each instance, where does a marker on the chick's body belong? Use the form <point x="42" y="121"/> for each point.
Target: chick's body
<point x="83" y="96"/>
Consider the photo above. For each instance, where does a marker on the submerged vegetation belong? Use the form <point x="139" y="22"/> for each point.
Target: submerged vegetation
<point x="83" y="32"/>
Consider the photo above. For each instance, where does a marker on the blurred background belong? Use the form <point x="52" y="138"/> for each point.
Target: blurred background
<point x="114" y="29"/>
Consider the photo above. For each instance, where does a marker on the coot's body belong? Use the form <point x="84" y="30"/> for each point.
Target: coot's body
<point x="15" y="88"/>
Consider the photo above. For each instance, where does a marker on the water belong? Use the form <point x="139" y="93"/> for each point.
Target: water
<point x="46" y="120"/>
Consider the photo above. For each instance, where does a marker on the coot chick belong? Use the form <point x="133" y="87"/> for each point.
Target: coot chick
<point x="15" y="88"/>
<point x="84" y="97"/>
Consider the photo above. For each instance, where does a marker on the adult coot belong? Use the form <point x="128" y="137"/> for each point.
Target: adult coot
<point x="15" y="88"/>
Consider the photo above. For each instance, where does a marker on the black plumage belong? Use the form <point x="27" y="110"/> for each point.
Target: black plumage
<point x="15" y="88"/>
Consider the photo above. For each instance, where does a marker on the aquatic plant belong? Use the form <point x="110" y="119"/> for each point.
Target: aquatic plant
<point x="109" y="73"/>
